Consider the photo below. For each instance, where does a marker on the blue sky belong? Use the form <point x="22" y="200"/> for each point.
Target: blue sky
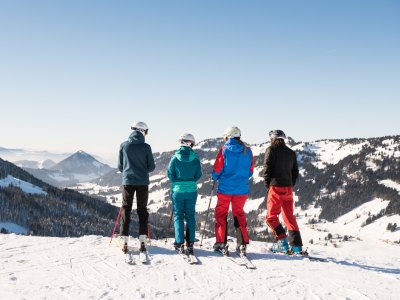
<point x="76" y="74"/>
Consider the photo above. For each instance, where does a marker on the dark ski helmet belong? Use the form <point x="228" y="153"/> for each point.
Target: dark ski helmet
<point x="277" y="134"/>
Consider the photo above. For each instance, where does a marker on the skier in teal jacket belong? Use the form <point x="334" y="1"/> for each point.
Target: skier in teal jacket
<point x="184" y="171"/>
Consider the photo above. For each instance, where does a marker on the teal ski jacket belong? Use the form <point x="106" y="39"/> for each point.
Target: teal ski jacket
<point x="184" y="171"/>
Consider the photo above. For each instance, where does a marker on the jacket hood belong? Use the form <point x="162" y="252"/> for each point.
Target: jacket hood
<point x="136" y="137"/>
<point x="185" y="154"/>
<point x="234" y="145"/>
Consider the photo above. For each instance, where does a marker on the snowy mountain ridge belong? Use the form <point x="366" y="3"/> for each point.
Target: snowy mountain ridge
<point x="329" y="187"/>
<point x="336" y="178"/>
<point x="82" y="163"/>
<point x="78" y="167"/>
<point x="37" y="159"/>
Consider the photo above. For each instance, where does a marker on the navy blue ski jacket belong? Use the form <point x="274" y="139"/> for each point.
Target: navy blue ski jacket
<point x="135" y="160"/>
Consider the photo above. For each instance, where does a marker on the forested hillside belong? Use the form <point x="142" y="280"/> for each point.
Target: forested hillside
<point x="58" y="213"/>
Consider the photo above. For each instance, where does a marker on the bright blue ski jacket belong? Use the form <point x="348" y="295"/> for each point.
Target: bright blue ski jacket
<point x="233" y="167"/>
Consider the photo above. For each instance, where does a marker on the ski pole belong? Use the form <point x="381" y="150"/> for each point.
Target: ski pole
<point x="169" y="226"/>
<point x="148" y="234"/>
<point x="208" y="210"/>
<point x="115" y="226"/>
<point x="170" y="221"/>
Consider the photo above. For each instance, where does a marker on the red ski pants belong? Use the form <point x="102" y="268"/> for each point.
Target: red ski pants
<point x="280" y="198"/>
<point x="221" y="213"/>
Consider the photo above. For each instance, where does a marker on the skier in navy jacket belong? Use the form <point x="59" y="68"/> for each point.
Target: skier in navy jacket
<point x="135" y="163"/>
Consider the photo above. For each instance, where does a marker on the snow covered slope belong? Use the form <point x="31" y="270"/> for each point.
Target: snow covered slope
<point x="88" y="268"/>
<point x="13" y="228"/>
<point x="26" y="187"/>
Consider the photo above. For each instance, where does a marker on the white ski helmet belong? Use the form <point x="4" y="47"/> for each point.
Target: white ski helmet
<point x="187" y="140"/>
<point x="140" y="126"/>
<point x="232" y="132"/>
<point x="277" y="134"/>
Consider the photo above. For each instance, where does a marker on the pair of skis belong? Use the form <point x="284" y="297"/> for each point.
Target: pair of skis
<point x="130" y="256"/>
<point x="237" y="257"/>
<point x="191" y="259"/>
<point x="303" y="254"/>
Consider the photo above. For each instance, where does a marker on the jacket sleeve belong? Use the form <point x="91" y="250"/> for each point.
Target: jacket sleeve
<point x="198" y="171"/>
<point x="267" y="167"/>
<point x="218" y="165"/>
<point x="295" y="170"/>
<point x="171" y="170"/>
<point x="150" y="161"/>
<point x="252" y="164"/>
<point x="120" y="159"/>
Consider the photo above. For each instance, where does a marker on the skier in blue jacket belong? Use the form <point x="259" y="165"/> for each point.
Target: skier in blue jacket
<point x="184" y="171"/>
<point x="233" y="167"/>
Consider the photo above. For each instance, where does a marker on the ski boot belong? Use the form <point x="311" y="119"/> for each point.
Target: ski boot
<point x="281" y="246"/>
<point x="179" y="247"/>
<point x="189" y="247"/>
<point x="221" y="247"/>
<point x="298" y="250"/>
<point x="142" y="240"/>
<point x="125" y="245"/>
<point x="241" y="250"/>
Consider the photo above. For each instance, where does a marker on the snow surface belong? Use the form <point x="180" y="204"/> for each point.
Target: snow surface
<point x="26" y="187"/>
<point x="88" y="268"/>
<point x="391" y="184"/>
<point x="330" y="152"/>
<point x="259" y="149"/>
<point x="256" y="174"/>
<point x="253" y="204"/>
<point x="14" y="228"/>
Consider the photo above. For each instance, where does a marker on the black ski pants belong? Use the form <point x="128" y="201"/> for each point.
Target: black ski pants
<point x="142" y="196"/>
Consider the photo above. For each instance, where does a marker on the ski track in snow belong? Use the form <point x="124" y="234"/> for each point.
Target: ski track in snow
<point x="88" y="268"/>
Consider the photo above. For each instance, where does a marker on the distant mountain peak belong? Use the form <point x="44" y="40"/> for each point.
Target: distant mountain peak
<point x="82" y="154"/>
<point x="82" y="163"/>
